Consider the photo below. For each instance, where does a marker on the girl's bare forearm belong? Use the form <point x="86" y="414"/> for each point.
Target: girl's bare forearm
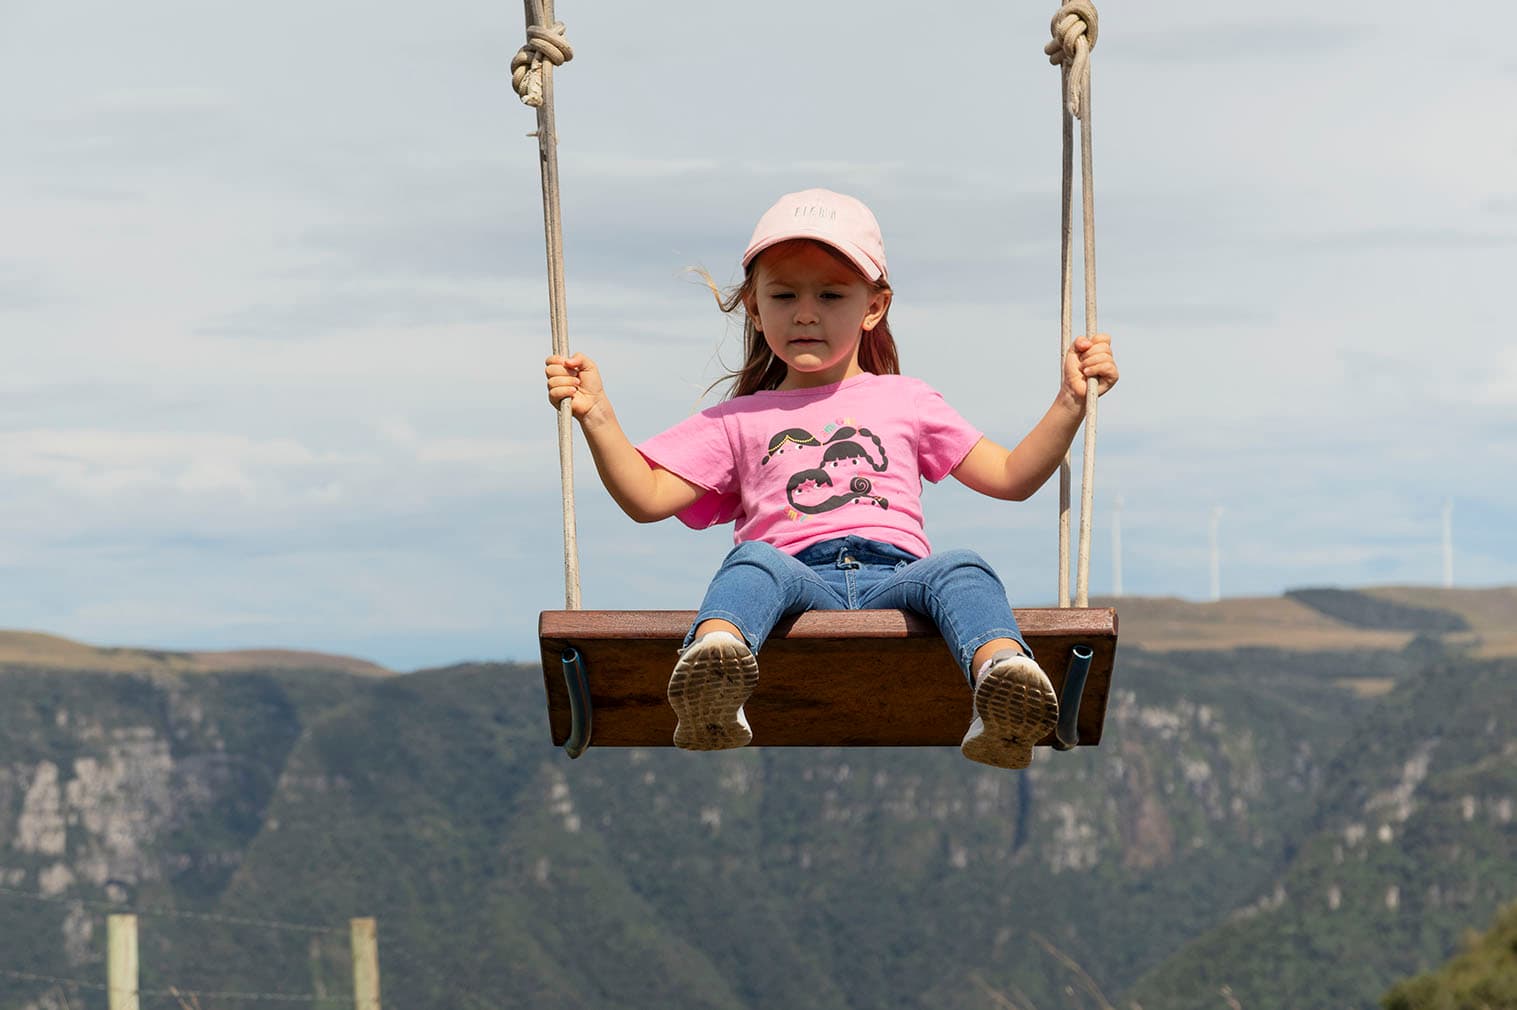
<point x="623" y="470"/>
<point x="646" y="494"/>
<point x="1038" y="455"/>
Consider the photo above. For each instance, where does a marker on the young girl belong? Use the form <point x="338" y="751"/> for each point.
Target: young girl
<point x="818" y="457"/>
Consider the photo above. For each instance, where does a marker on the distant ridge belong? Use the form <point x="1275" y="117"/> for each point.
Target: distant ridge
<point x="1482" y="622"/>
<point x="1325" y="620"/>
<point x="1366" y="610"/>
<point x="39" y="649"/>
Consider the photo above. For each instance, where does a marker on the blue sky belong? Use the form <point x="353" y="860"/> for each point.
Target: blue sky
<point x="272" y="293"/>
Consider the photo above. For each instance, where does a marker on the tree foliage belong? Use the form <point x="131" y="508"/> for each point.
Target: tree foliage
<point x="1483" y="976"/>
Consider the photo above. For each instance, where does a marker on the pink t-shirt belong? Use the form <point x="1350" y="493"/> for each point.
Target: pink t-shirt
<point x="795" y="467"/>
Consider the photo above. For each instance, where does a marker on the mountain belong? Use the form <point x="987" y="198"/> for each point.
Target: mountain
<point x="1255" y="754"/>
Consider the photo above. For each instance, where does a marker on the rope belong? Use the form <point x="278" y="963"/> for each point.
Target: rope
<point x="1074" y="30"/>
<point x="543" y="43"/>
<point x="532" y="77"/>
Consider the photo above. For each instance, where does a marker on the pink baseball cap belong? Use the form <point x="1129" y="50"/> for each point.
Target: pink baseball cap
<point x="827" y="217"/>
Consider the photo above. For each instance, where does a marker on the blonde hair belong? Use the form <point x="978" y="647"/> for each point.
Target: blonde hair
<point x="760" y="369"/>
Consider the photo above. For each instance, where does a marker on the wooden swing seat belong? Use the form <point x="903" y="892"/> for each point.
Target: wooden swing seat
<point x="850" y="678"/>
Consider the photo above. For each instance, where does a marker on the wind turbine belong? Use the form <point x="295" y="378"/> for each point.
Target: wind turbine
<point x="1216" y="553"/>
<point x="1448" y="543"/>
<point x="1116" y="547"/>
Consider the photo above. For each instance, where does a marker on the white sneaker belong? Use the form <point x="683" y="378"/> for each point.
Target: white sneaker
<point x="710" y="684"/>
<point x="1014" y="707"/>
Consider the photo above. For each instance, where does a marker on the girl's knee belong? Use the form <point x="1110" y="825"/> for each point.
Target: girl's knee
<point x="754" y="547"/>
<point x="961" y="557"/>
<point x="958" y="565"/>
<point x="754" y="552"/>
<point x="755" y="555"/>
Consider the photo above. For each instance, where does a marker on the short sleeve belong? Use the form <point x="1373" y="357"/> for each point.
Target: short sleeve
<point x="699" y="450"/>
<point x="944" y="438"/>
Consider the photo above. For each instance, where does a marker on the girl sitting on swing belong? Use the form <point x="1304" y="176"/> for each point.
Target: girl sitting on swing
<point x="817" y="455"/>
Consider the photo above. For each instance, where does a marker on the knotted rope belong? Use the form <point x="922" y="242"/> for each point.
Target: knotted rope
<point x="1074" y="30"/>
<point x="532" y="77"/>
<point x="543" y="43"/>
<point x="1074" y="34"/>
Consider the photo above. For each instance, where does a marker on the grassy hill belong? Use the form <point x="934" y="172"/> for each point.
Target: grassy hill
<point x="37" y="649"/>
<point x="1303" y="621"/>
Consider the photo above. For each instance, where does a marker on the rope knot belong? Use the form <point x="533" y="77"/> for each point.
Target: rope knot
<point x="1074" y="29"/>
<point x="543" y="43"/>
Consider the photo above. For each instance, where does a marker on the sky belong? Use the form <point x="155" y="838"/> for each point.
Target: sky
<point x="273" y="302"/>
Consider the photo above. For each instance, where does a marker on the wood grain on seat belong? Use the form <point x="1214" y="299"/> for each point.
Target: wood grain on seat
<point x="863" y="678"/>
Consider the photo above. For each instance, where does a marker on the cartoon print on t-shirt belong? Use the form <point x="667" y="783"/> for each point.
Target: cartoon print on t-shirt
<point x="839" y="452"/>
<point x="790" y="436"/>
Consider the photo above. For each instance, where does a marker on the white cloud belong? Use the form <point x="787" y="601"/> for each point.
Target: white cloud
<point x="273" y="285"/>
<point x="103" y="462"/>
<point x="1497" y="388"/>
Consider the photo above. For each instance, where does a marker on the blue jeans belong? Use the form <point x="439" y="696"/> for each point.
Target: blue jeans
<point x="758" y="584"/>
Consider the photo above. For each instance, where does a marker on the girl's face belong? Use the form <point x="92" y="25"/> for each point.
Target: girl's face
<point x="812" y="311"/>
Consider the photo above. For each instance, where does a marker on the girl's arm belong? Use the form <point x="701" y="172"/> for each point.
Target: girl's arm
<point x="1016" y="474"/>
<point x="646" y="493"/>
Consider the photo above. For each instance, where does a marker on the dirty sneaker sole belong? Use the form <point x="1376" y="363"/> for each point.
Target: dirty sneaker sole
<point x="707" y="690"/>
<point x="1015" y="707"/>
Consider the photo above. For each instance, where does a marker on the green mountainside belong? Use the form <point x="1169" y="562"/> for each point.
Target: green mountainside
<point x="1304" y="828"/>
<point x="1482" y="977"/>
<point x="1412" y="839"/>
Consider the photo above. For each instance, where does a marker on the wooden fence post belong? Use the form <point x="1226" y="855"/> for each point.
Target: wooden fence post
<point x="121" y="962"/>
<point x="365" y="964"/>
